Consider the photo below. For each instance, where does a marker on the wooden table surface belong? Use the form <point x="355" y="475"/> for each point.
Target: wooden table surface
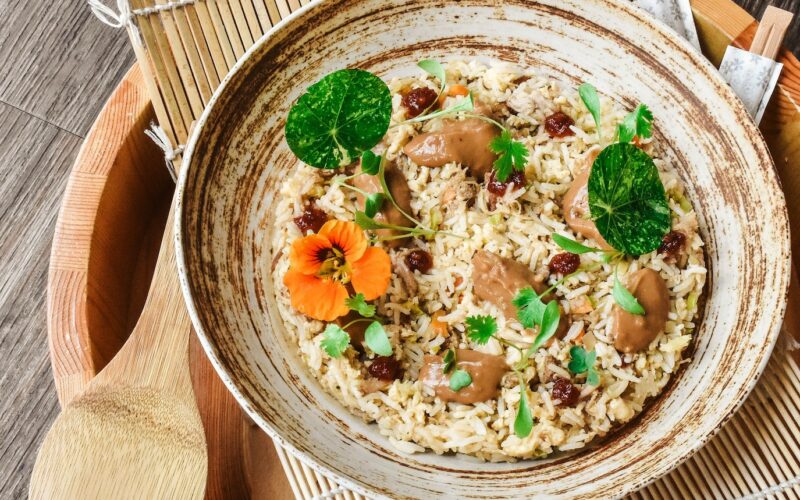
<point x="59" y="64"/>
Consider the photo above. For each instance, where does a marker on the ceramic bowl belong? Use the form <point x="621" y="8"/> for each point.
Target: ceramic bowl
<point x="237" y="158"/>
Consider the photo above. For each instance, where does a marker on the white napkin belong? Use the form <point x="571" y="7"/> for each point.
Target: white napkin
<point x="752" y="77"/>
<point x="677" y="14"/>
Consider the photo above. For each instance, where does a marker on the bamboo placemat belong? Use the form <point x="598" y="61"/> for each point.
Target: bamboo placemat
<point x="186" y="47"/>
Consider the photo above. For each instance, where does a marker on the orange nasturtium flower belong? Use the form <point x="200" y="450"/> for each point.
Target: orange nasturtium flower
<point x="322" y="264"/>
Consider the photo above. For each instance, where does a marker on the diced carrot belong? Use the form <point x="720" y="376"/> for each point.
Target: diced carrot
<point x="439" y="327"/>
<point x="457" y="89"/>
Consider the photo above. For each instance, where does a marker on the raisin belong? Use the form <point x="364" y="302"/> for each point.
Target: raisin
<point x="497" y="188"/>
<point x="565" y="392"/>
<point x="418" y="100"/>
<point x="672" y="243"/>
<point x="311" y="219"/>
<point x="565" y="263"/>
<point x="558" y="125"/>
<point x="384" y="368"/>
<point x="419" y="260"/>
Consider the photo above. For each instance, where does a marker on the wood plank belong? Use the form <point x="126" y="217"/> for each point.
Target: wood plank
<point x="58" y="62"/>
<point x="38" y="151"/>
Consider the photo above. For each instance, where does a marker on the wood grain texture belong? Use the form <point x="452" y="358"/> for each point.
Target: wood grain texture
<point x="60" y="64"/>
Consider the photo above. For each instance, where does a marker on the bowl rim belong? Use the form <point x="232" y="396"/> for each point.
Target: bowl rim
<point x="343" y="481"/>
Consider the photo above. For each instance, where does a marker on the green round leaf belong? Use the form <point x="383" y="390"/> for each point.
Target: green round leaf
<point x="627" y="200"/>
<point x="459" y="379"/>
<point x="373" y="204"/>
<point x="376" y="339"/>
<point x="339" y="117"/>
<point x="523" y="423"/>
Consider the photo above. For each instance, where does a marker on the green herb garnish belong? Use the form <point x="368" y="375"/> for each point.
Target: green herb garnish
<point x="530" y="307"/>
<point x="589" y="97"/>
<point x="572" y="246"/>
<point x="436" y="70"/>
<point x="459" y="379"/>
<point x="636" y="124"/>
<point x="449" y="361"/>
<point x="582" y="361"/>
<point x="370" y="162"/>
<point x="373" y="203"/>
<point x="481" y="328"/>
<point x="523" y="423"/>
<point x="548" y="326"/>
<point x="358" y="304"/>
<point x="376" y="339"/>
<point x="627" y="199"/>
<point x="334" y="340"/>
<point x="625" y="299"/>
<point x="513" y="155"/>
<point x="338" y="118"/>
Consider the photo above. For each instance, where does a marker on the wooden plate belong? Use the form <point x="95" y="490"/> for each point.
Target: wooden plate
<point x="114" y="211"/>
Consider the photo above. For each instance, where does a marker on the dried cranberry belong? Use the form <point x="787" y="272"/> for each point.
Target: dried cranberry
<point x="565" y="392"/>
<point x="419" y="260"/>
<point x="672" y="243"/>
<point x="565" y="263"/>
<point x="558" y="125"/>
<point x="384" y="368"/>
<point x="311" y="219"/>
<point x="418" y="100"/>
<point x="497" y="188"/>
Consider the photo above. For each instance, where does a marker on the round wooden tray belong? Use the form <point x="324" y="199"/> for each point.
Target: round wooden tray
<point x="113" y="215"/>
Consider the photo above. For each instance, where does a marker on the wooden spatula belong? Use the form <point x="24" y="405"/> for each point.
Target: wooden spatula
<point x="135" y="432"/>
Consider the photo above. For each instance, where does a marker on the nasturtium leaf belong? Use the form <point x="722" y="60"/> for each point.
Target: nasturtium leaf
<point x="459" y="379"/>
<point x="530" y="307"/>
<point x="338" y="118"/>
<point x="481" y="328"/>
<point x="523" y="423"/>
<point x="373" y="204"/>
<point x="627" y="200"/>
<point x="572" y="246"/>
<point x="592" y="102"/>
<point x="512" y="155"/>
<point x="370" y="162"/>
<point x="625" y="299"/>
<point x="434" y="69"/>
<point x="334" y="340"/>
<point x="636" y="124"/>
<point x="376" y="339"/>
<point x="359" y="304"/>
<point x="449" y="361"/>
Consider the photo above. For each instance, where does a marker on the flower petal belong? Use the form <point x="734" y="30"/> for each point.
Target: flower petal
<point x="371" y="273"/>
<point x="319" y="298"/>
<point x="304" y="254"/>
<point x="346" y="235"/>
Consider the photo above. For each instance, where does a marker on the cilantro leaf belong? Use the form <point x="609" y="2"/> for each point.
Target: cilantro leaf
<point x="530" y="307"/>
<point x="459" y="379"/>
<point x="481" y="328"/>
<point x="582" y="361"/>
<point x="339" y="117"/>
<point x="572" y="246"/>
<point x="449" y="361"/>
<point x="370" y="162"/>
<point x="548" y="326"/>
<point x="636" y="124"/>
<point x="376" y="339"/>
<point x="589" y="97"/>
<point x="523" y="423"/>
<point x="513" y="155"/>
<point x="436" y="70"/>
<point x="625" y="299"/>
<point x="373" y="203"/>
<point x="334" y="340"/>
<point x="359" y="304"/>
<point x="627" y="200"/>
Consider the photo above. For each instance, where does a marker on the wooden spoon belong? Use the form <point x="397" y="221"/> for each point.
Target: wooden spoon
<point x="135" y="432"/>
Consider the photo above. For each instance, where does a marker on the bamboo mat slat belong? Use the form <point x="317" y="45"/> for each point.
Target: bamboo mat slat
<point x="186" y="51"/>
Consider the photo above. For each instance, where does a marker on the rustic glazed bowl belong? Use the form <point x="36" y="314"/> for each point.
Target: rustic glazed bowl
<point x="237" y="158"/>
